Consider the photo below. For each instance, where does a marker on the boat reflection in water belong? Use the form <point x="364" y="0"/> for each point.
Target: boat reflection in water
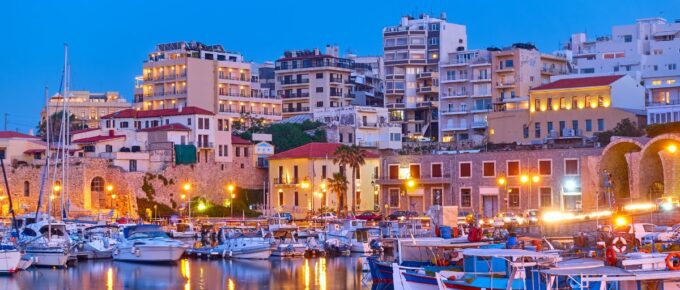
<point x="299" y="273"/>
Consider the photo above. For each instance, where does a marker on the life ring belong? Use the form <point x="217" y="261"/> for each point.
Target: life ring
<point x="610" y="255"/>
<point x="619" y="244"/>
<point x="673" y="261"/>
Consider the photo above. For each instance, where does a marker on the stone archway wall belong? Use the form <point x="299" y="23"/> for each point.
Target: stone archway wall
<point x="617" y="159"/>
<point x="657" y="164"/>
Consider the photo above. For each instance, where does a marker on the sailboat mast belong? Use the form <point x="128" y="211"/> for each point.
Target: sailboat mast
<point x="45" y="177"/>
<point x="65" y="140"/>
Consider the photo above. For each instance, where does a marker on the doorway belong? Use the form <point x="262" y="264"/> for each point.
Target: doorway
<point x="489" y="205"/>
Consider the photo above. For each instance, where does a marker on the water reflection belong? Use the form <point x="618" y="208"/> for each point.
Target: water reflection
<point x="316" y="273"/>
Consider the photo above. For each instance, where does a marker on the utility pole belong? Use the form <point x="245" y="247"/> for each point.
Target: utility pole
<point x="6" y="114"/>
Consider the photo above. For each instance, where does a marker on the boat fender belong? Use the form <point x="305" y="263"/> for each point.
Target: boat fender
<point x="610" y="255"/>
<point x="231" y="253"/>
<point x="132" y="250"/>
<point x="138" y="252"/>
<point x="619" y="244"/>
<point x="116" y="251"/>
<point x="673" y="261"/>
<point x="224" y="254"/>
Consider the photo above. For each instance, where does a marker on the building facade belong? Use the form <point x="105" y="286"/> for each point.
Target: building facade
<point x="204" y="76"/>
<point x="367" y="127"/>
<point x="648" y="51"/>
<point x="570" y="109"/>
<point x="555" y="179"/>
<point x="413" y="51"/>
<point x="310" y="79"/>
<point x="16" y="148"/>
<point x="298" y="180"/>
<point x="87" y="107"/>
<point x="367" y="79"/>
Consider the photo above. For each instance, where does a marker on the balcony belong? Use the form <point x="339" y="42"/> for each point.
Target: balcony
<point x="480" y="79"/>
<point x="425" y="104"/>
<point x="566" y="134"/>
<point x="422" y="179"/>
<point x="335" y="94"/>
<point x="396" y="118"/>
<point x="294" y="81"/>
<point x="454" y="95"/>
<point x="295" y="110"/>
<point x="294" y="95"/>
<point x="234" y="94"/>
<point x="427" y="75"/>
<point x="505" y="84"/>
<point x="663" y="103"/>
<point x="553" y="71"/>
<point x="480" y="124"/>
<point x="505" y="69"/>
<point x="285" y="181"/>
<point x="368" y="143"/>
<point x="461" y="79"/>
<point x="427" y="89"/>
<point x="481" y="109"/>
<point x="204" y="145"/>
<point x="454" y="111"/>
<point x="368" y="125"/>
<point x="455" y="127"/>
<point x="335" y="80"/>
<point x="396" y="105"/>
<point x="394" y="91"/>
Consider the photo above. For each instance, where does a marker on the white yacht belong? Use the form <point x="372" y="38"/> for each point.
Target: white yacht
<point x="147" y="243"/>
<point x="47" y="243"/>
<point x="183" y="231"/>
<point x="285" y="244"/>
<point x="353" y="233"/>
<point x="98" y="242"/>
<point x="241" y="242"/>
<point x="10" y="259"/>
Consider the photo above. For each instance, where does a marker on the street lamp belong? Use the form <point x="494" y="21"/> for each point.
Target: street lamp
<point x="187" y="189"/>
<point x="231" y="188"/>
<point x="672" y="148"/>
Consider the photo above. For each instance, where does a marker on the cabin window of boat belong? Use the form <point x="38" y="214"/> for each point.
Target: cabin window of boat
<point x="513" y="197"/>
<point x="55" y="231"/>
<point x="436" y="169"/>
<point x="394" y="171"/>
<point x="29" y="232"/>
<point x="394" y="197"/>
<point x="147" y="235"/>
<point x="465" y="169"/>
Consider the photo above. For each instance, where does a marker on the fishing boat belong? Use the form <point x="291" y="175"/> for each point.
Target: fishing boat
<point x="355" y="233"/>
<point x="285" y="244"/>
<point x="147" y="243"/>
<point x="47" y="243"/>
<point x="183" y="231"/>
<point x="98" y="242"/>
<point x="241" y="243"/>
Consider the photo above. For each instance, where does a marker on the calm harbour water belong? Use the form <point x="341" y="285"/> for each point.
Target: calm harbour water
<point x="275" y="273"/>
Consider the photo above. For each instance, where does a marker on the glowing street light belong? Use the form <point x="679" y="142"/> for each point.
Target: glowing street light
<point x="109" y="188"/>
<point x="411" y="183"/>
<point x="501" y="181"/>
<point x="56" y="187"/>
<point x="187" y="186"/>
<point x="183" y="196"/>
<point x="535" y="178"/>
<point x="524" y="178"/>
<point x="672" y="148"/>
<point x="201" y="206"/>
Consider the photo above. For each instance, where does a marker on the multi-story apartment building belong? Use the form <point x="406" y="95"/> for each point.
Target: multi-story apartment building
<point x="310" y="79"/>
<point x="412" y="52"/>
<point x="267" y="77"/>
<point x="570" y="109"/>
<point x="299" y="180"/>
<point x="464" y="97"/>
<point x="87" y="107"/>
<point x="360" y="125"/>
<point x="517" y="69"/>
<point x="367" y="79"/>
<point x="205" y="76"/>
<point x="648" y="50"/>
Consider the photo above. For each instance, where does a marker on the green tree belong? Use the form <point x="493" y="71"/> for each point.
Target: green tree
<point x="338" y="185"/>
<point x="664" y="128"/>
<point x="354" y="157"/>
<point x="625" y="128"/>
<point x="55" y="125"/>
<point x="289" y="135"/>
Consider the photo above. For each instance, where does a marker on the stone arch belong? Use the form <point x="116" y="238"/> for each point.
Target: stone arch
<point x="97" y="184"/>
<point x="615" y="161"/>
<point x="658" y="167"/>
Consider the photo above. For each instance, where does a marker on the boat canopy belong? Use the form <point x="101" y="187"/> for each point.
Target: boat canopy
<point x="509" y="253"/>
<point x="140" y="229"/>
<point x="598" y="271"/>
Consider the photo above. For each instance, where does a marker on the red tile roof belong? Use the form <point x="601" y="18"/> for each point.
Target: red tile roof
<point x="132" y="113"/>
<point x="169" y="127"/>
<point x="240" y="141"/>
<point x="96" y="139"/>
<point x="579" y="83"/>
<point x="13" y="134"/>
<point x="83" y="130"/>
<point x="315" y="150"/>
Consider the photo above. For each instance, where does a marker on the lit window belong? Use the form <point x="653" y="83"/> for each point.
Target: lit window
<point x="670" y="82"/>
<point x="656" y="82"/>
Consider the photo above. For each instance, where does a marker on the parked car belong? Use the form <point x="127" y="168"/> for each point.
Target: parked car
<point x="325" y="217"/>
<point x="402" y="214"/>
<point x="284" y="215"/>
<point x="508" y="218"/>
<point x="532" y="216"/>
<point x="369" y="216"/>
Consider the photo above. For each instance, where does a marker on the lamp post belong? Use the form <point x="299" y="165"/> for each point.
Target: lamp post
<point x="56" y="188"/>
<point x="526" y="179"/>
<point x="231" y="188"/>
<point x="410" y="183"/>
<point x="305" y="185"/>
<point x="503" y="182"/>
<point x="187" y="190"/>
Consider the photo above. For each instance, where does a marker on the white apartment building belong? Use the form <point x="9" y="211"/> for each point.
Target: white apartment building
<point x="86" y="106"/>
<point x="311" y="79"/>
<point x="465" y="97"/>
<point x="205" y="76"/>
<point x="412" y="51"/>
<point x="368" y="80"/>
<point x="143" y="140"/>
<point x="363" y="126"/>
<point x="648" y="50"/>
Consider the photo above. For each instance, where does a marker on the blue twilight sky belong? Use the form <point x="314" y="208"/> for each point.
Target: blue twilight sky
<point x="108" y="39"/>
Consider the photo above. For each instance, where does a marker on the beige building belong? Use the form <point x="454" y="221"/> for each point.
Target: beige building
<point x="363" y="126"/>
<point x="569" y="109"/>
<point x="413" y="50"/>
<point x="310" y="79"/>
<point x="18" y="148"/>
<point x="87" y="107"/>
<point x="204" y="76"/>
<point x="298" y="180"/>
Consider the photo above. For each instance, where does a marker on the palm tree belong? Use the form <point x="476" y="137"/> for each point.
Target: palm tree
<point x="354" y="157"/>
<point x="338" y="185"/>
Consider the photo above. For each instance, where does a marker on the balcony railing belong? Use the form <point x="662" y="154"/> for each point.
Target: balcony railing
<point x="294" y="110"/>
<point x="234" y="78"/>
<point x="663" y="103"/>
<point x="294" y="81"/>
<point x="335" y="80"/>
<point x="335" y="94"/>
<point x="396" y="118"/>
<point x="285" y="181"/>
<point x="294" y="95"/>
<point x="368" y="125"/>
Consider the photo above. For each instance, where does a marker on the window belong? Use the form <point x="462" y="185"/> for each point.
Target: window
<point x="319" y="75"/>
<point x="108" y="148"/>
<point x="525" y="130"/>
<point x="123" y="124"/>
<point x="200" y="123"/>
<point x="394" y="172"/>
<point x="537" y="130"/>
<point x="436" y="169"/>
<point x="238" y="151"/>
<point x="188" y="122"/>
<point x="206" y="123"/>
<point x="319" y="104"/>
<point x="513" y="197"/>
<point x="465" y="197"/>
<point x="571" y="167"/>
<point x="245" y="152"/>
<point x="295" y="199"/>
<point x="465" y="169"/>
<point x="627" y="38"/>
<point x="27" y="188"/>
<point x="414" y="170"/>
<point x="436" y="196"/>
<point x="545" y="167"/>
<point x="549" y="127"/>
<point x="574" y="125"/>
<point x="394" y="197"/>
<point x="546" y="196"/>
<point x="600" y="124"/>
<point x="589" y="125"/>
<point x="319" y="89"/>
<point x="97" y="184"/>
<point x="281" y="198"/>
<point x="133" y="165"/>
<point x="323" y="171"/>
<point x="489" y="169"/>
<point x="513" y="168"/>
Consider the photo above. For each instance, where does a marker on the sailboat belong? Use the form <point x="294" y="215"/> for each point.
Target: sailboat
<point x="10" y="256"/>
